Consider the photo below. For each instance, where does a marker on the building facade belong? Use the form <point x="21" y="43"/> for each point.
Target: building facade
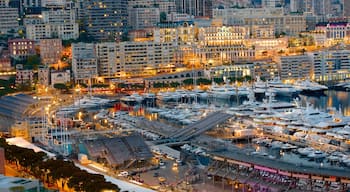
<point x="295" y="67"/>
<point x="62" y="77"/>
<point x="331" y="65"/>
<point x="50" y="51"/>
<point x="335" y="30"/>
<point x="84" y="62"/>
<point x="143" y="17"/>
<point x="24" y="76"/>
<point x="105" y="19"/>
<point x="8" y="20"/>
<point x="138" y="59"/>
<point x="21" y="48"/>
<point x="55" y="23"/>
<point x="282" y="23"/>
<point x="106" y="54"/>
<point x="44" y="76"/>
<point x="5" y="64"/>
<point x="201" y="8"/>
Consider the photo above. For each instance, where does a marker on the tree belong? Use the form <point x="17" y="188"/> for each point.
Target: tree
<point x="60" y="86"/>
<point x="188" y="82"/>
<point x="218" y="80"/>
<point x="33" y="62"/>
<point x="174" y="84"/>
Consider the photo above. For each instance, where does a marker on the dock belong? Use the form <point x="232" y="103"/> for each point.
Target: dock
<point x="201" y="126"/>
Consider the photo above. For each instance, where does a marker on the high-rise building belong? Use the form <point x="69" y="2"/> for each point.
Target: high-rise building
<point x="105" y="19"/>
<point x="143" y="17"/>
<point x="202" y="8"/>
<point x="8" y="19"/>
<point x="106" y="58"/>
<point x="346" y="8"/>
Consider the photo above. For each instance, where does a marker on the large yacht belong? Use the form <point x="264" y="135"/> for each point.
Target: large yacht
<point x="310" y="87"/>
<point x="281" y="89"/>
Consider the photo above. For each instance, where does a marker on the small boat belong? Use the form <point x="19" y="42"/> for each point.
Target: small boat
<point x="305" y="151"/>
<point x="316" y="155"/>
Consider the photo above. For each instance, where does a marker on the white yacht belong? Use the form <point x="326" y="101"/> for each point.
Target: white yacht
<point x="305" y="151"/>
<point x="221" y="92"/>
<point x="310" y="87"/>
<point x="280" y="88"/>
<point x="316" y="155"/>
<point x="260" y="87"/>
<point x="138" y="97"/>
<point x="90" y="101"/>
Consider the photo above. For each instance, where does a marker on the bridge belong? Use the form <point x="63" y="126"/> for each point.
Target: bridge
<point x="200" y="126"/>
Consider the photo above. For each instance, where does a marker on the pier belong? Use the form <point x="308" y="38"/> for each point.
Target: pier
<point x="201" y="126"/>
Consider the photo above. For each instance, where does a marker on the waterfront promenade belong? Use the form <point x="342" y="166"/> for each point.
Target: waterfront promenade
<point x="236" y="154"/>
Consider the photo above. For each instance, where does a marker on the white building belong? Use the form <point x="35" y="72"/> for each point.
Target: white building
<point x="137" y="59"/>
<point x="106" y="54"/>
<point x="8" y="19"/>
<point x="282" y="23"/>
<point x="84" y="62"/>
<point x="331" y="65"/>
<point x="295" y="67"/>
<point x="62" y="77"/>
<point x="59" y="23"/>
<point x="335" y="31"/>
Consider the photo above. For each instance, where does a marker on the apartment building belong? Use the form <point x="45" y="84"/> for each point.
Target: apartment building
<point x="295" y="67"/>
<point x="143" y="17"/>
<point x="84" y="62"/>
<point x="54" y="23"/>
<point x="50" y="51"/>
<point x="8" y="20"/>
<point x="24" y="76"/>
<point x="137" y="59"/>
<point x="21" y="48"/>
<point x="106" y="54"/>
<point x="105" y="19"/>
<point x="331" y="65"/>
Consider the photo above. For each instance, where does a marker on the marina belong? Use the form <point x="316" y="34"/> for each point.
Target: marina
<point x="287" y="139"/>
